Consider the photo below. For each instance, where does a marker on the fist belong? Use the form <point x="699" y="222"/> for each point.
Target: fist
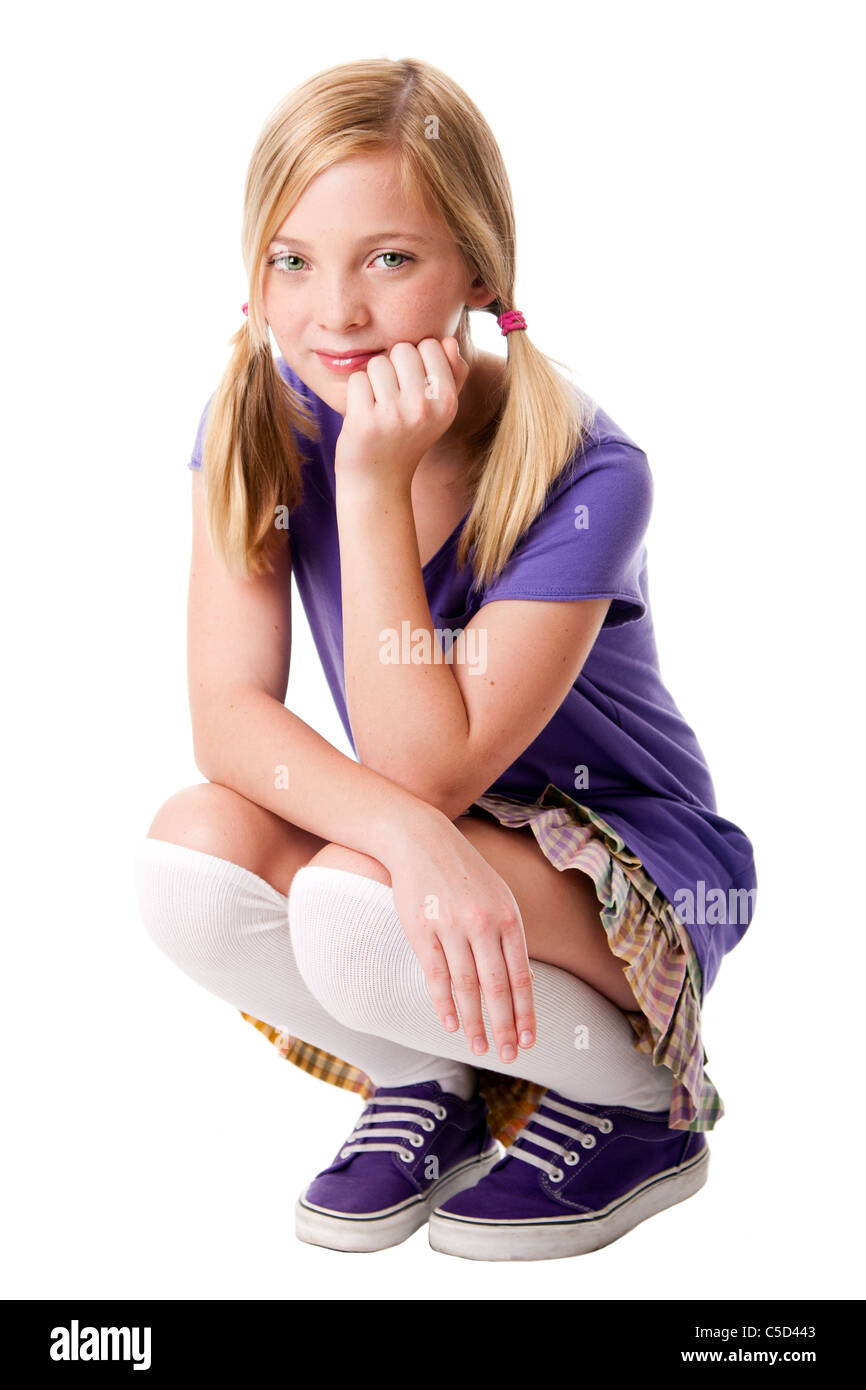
<point x="397" y="406"/>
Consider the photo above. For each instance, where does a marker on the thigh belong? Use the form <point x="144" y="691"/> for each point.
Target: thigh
<point x="217" y="820"/>
<point x="559" y="907"/>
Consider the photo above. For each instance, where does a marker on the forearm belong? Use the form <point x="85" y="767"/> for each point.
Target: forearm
<point x="247" y="740"/>
<point x="408" y="716"/>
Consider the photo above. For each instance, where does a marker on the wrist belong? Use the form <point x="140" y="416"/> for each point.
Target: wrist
<point x="362" y="485"/>
<point x="416" y="824"/>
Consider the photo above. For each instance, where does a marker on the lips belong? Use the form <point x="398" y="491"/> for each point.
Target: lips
<point x="356" y="355"/>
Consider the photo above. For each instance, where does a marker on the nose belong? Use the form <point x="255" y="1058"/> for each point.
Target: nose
<point x="339" y="306"/>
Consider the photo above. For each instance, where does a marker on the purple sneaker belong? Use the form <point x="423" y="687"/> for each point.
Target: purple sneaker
<point x="577" y="1177"/>
<point x="412" y="1147"/>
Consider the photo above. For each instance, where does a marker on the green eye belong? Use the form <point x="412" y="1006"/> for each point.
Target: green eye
<point x="279" y="260"/>
<point x="399" y="254"/>
<point x="281" y="263"/>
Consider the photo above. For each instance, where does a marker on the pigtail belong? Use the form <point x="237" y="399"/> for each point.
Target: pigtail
<point x="251" y="463"/>
<point x="540" y="417"/>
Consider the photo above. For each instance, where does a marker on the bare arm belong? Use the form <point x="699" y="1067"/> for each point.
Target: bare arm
<point x="445" y="730"/>
<point x="409" y="720"/>
<point x="239" y="649"/>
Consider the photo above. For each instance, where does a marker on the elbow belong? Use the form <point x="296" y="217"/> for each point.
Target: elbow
<point x="449" y="805"/>
<point x="452" y="804"/>
<point x="442" y="796"/>
<point x="454" y="795"/>
<point x="204" y="762"/>
<point x="204" y="750"/>
<point x="425" y="787"/>
<point x="431" y="785"/>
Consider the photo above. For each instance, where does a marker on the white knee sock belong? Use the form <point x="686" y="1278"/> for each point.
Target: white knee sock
<point x="229" y="930"/>
<point x="352" y="952"/>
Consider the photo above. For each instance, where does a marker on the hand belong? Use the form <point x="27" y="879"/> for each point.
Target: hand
<point x="462" y="921"/>
<point x="397" y="406"/>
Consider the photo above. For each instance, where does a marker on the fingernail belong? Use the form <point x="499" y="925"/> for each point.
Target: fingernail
<point x="508" y="1053"/>
<point x="525" y="1038"/>
<point x="479" y="1045"/>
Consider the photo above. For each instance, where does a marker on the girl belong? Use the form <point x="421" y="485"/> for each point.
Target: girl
<point x="527" y="850"/>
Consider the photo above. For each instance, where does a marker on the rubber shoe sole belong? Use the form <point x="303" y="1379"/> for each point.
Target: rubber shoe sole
<point x="379" y="1230"/>
<point x="559" y="1237"/>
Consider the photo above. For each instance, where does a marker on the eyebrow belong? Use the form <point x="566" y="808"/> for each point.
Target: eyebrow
<point x="372" y="236"/>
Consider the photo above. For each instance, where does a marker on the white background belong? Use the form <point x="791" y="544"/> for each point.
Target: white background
<point x="688" y="183"/>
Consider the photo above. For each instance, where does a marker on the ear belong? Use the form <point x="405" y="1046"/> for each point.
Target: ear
<point x="479" y="295"/>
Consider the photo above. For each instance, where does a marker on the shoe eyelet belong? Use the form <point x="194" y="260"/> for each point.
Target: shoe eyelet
<point x="406" y="1156"/>
<point x="441" y="1112"/>
<point x="427" y="1123"/>
<point x="606" y="1126"/>
<point x="571" y="1158"/>
<point x="588" y="1141"/>
<point x="416" y="1140"/>
<point x="557" y="1175"/>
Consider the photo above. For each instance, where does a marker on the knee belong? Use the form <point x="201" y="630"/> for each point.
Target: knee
<point x="164" y="888"/>
<point x="196" y="907"/>
<point x="206" y="817"/>
<point x="346" y="937"/>
<point x="334" y="856"/>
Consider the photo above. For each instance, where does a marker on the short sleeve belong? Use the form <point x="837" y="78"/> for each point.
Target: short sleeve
<point x="196" y="459"/>
<point x="588" y="539"/>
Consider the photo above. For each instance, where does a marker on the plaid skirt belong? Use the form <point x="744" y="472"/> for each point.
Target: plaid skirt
<point x="642" y="930"/>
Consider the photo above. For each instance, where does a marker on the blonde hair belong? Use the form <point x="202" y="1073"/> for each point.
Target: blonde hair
<point x="250" y="460"/>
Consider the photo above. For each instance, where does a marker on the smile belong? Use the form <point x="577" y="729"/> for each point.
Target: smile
<point x="347" y="362"/>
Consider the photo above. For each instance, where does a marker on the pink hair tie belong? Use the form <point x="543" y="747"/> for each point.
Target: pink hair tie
<point x="511" y="319"/>
<point x="246" y="309"/>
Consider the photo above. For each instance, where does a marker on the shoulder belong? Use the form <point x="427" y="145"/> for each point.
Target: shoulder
<point x="609" y="457"/>
<point x="607" y="481"/>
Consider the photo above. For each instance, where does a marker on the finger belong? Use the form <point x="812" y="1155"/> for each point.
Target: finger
<point x="437" y="369"/>
<point x="433" y="962"/>
<point x="467" y="991"/>
<point x="359" y="391"/>
<point x="408" y="366"/>
<point x="381" y="377"/>
<point x="496" y="987"/>
<point x="520" y="975"/>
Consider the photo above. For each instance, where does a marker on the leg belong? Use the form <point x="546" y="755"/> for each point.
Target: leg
<point x="353" y="954"/>
<point x="560" y="910"/>
<point x="216" y="820"/>
<point x="210" y="877"/>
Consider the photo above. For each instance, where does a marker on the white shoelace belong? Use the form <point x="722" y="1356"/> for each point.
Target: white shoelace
<point x="568" y="1156"/>
<point x="388" y="1117"/>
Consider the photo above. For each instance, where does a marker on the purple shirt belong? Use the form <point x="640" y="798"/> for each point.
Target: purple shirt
<point x="617" y="744"/>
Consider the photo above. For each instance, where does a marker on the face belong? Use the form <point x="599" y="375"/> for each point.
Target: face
<point x="354" y="269"/>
